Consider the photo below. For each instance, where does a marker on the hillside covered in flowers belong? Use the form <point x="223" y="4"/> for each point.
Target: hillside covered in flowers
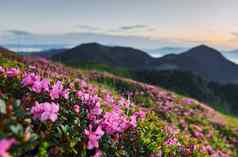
<point x="47" y="110"/>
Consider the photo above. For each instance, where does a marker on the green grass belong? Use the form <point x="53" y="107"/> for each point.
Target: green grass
<point x="104" y="68"/>
<point x="8" y="63"/>
<point x="231" y="120"/>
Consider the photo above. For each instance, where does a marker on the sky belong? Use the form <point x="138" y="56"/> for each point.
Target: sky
<point x="137" y="23"/>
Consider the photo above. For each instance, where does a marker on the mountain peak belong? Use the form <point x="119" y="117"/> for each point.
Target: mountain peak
<point x="203" y="48"/>
<point x="202" y="51"/>
<point x="92" y="44"/>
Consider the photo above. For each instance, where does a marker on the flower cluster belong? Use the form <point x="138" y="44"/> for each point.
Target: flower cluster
<point x="5" y="145"/>
<point x="47" y="94"/>
<point x="39" y="85"/>
<point x="45" y="111"/>
<point x="52" y="114"/>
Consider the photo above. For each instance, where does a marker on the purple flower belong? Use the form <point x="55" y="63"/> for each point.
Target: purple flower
<point x="45" y="111"/>
<point x="12" y="72"/>
<point x="65" y="93"/>
<point x="5" y="145"/>
<point x="98" y="153"/>
<point x="76" y="108"/>
<point x="140" y="114"/>
<point x="94" y="137"/>
<point x="45" y="85"/>
<point x="56" y="90"/>
<point x="115" y="122"/>
<point x="36" y="87"/>
<point x="171" y="141"/>
<point x="187" y="101"/>
<point x="133" y="121"/>
<point x="29" y="79"/>
<point x="39" y="86"/>
<point x="2" y="70"/>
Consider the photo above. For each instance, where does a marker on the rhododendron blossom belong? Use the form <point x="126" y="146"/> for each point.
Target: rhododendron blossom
<point x="171" y="141"/>
<point x="45" y="111"/>
<point x="2" y="70"/>
<point x="5" y="145"/>
<point x="65" y="93"/>
<point x="133" y="120"/>
<point x="115" y="122"/>
<point x="93" y="136"/>
<point x="188" y="101"/>
<point x="140" y="114"/>
<point x="76" y="108"/>
<point x="12" y="72"/>
<point x="29" y="79"/>
<point x="97" y="154"/>
<point x="56" y="90"/>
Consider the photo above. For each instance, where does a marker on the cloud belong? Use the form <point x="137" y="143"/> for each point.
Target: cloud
<point x="88" y="28"/>
<point x="121" y="36"/>
<point x="233" y="37"/>
<point x="18" y="32"/>
<point x="132" y="27"/>
<point x="234" y="34"/>
<point x="74" y="38"/>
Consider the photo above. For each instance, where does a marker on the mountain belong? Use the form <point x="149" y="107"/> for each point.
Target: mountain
<point x="165" y="51"/>
<point x="45" y="53"/>
<point x="5" y="53"/>
<point x="94" y="53"/>
<point x="204" y="61"/>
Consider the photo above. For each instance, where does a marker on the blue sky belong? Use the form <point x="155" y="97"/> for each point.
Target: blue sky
<point x="138" y="23"/>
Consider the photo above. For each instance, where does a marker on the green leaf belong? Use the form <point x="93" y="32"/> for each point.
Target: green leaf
<point x="2" y="106"/>
<point x="17" y="129"/>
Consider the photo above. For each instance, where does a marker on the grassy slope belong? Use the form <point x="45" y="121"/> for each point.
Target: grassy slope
<point x="184" y="83"/>
<point x="170" y="109"/>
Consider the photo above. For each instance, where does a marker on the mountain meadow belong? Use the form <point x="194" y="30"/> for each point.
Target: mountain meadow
<point x="100" y="101"/>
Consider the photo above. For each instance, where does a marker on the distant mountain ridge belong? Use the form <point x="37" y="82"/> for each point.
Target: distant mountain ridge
<point x="100" y="54"/>
<point x="203" y="60"/>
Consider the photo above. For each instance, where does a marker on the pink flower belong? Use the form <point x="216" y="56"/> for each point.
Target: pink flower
<point x="83" y="84"/>
<point x="108" y="99"/>
<point x="94" y="137"/>
<point x="115" y="122"/>
<point x="40" y="86"/>
<point x="97" y="109"/>
<point x="5" y="145"/>
<point x="153" y="155"/>
<point x="140" y="114"/>
<point x="187" y="101"/>
<point x="36" y="87"/>
<point x="45" y="111"/>
<point x="79" y="93"/>
<point x="2" y="70"/>
<point x="45" y="83"/>
<point x="76" y="108"/>
<point x="171" y="141"/>
<point x="123" y="102"/>
<point x="12" y="72"/>
<point x="98" y="153"/>
<point x="65" y="93"/>
<point x="133" y="121"/>
<point x="56" y="90"/>
<point x="29" y="79"/>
